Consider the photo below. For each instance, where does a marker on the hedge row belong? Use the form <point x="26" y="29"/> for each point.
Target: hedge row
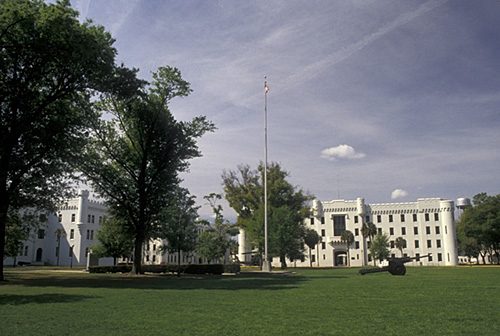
<point x="188" y="269"/>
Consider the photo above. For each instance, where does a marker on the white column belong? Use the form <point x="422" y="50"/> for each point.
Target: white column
<point x="448" y="232"/>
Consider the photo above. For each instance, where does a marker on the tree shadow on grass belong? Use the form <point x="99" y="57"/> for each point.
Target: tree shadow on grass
<point x="243" y="281"/>
<point x="11" y="299"/>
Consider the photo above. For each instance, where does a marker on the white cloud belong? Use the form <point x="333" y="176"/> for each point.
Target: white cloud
<point x="398" y="193"/>
<point x="341" y="152"/>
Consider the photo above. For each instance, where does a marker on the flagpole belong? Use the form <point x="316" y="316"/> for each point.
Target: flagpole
<point x="266" y="265"/>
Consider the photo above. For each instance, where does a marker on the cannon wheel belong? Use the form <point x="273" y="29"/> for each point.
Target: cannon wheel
<point x="398" y="270"/>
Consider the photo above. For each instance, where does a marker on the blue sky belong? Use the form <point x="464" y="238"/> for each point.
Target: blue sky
<point x="386" y="100"/>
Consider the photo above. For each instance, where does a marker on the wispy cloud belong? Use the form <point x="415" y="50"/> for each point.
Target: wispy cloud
<point x="314" y="69"/>
<point x="341" y="152"/>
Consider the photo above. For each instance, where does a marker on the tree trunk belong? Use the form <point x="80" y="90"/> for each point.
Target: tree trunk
<point x="3" y="223"/>
<point x="114" y="261"/>
<point x="136" y="266"/>
<point x="283" y="262"/>
<point x="310" y="260"/>
<point x="179" y="263"/>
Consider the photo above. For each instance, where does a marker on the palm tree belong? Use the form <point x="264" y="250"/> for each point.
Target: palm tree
<point x="311" y="239"/>
<point x="368" y="230"/>
<point x="400" y="244"/>
<point x="347" y="237"/>
<point x="59" y="234"/>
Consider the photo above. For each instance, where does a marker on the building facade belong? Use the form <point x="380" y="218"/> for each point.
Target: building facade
<point x="426" y="225"/>
<point x="66" y="237"/>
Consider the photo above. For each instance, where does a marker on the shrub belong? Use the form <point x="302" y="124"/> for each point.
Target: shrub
<point x="232" y="268"/>
<point x="205" y="269"/>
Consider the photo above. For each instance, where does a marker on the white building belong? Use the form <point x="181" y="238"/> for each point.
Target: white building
<point x="427" y="225"/>
<point x="66" y="237"/>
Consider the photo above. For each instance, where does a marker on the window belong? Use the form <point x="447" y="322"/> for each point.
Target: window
<point x="87" y="251"/>
<point x="402" y="217"/>
<point x="403" y="231"/>
<point x="417" y="244"/>
<point x="41" y="234"/>
<point x="437" y="230"/>
<point x="88" y="219"/>
<point x="91" y="234"/>
<point x="369" y="257"/>
<point x="356" y="220"/>
<point x="312" y="220"/>
<point x="323" y="245"/>
<point x="440" y="257"/>
<point x="338" y="225"/>
<point x="379" y="231"/>
<point x="100" y="219"/>
<point x="428" y="230"/>
<point x="417" y="256"/>
<point x="438" y="243"/>
<point x="73" y="217"/>
<point x="322" y="220"/>
<point x="414" y="217"/>
<point x="72" y="234"/>
<point x="313" y="258"/>
<point x="322" y="232"/>
<point x="154" y="247"/>
<point x="369" y="244"/>
<point x="393" y="255"/>
<point x="154" y="258"/>
<point x="93" y="219"/>
<point x="429" y="243"/>
<point x="391" y="231"/>
<point x="430" y="258"/>
<point x="426" y="217"/>
<point x="392" y="243"/>
<point x="367" y="218"/>
<point x="379" y="218"/>
<point x="356" y="245"/>
<point x="390" y="218"/>
<point x="356" y="232"/>
<point x="147" y="257"/>
<point x="436" y="217"/>
<point x="88" y="234"/>
<point x="415" y="230"/>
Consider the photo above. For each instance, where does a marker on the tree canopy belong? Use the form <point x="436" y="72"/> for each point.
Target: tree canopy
<point x="179" y="224"/>
<point x="113" y="240"/>
<point x="379" y="248"/>
<point x="288" y="206"/>
<point x="478" y="229"/>
<point x="311" y="239"/>
<point x="135" y="157"/>
<point x="50" y="67"/>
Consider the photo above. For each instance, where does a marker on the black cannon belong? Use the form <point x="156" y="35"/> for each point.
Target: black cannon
<point x="396" y="266"/>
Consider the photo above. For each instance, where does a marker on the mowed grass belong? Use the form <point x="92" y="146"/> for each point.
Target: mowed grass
<point x="427" y="301"/>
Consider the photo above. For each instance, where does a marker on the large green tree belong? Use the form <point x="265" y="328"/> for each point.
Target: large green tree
<point x="215" y="242"/>
<point x="135" y="156"/>
<point x="478" y="229"/>
<point x="288" y="206"/>
<point x="50" y="67"/>
<point x="113" y="240"/>
<point x="179" y="224"/>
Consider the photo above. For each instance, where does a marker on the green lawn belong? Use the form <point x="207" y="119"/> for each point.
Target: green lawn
<point x="427" y="301"/>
